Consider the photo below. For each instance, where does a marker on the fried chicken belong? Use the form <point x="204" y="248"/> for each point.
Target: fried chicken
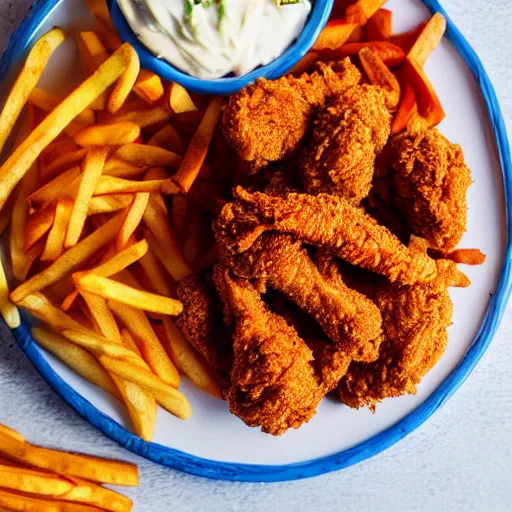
<point x="201" y="322"/>
<point x="415" y="322"/>
<point x="328" y="222"/>
<point x="273" y="383"/>
<point x="347" y="136"/>
<point x="430" y="183"/>
<point x="267" y="121"/>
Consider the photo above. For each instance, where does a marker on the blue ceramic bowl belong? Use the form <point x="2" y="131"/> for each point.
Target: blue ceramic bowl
<point x="316" y="21"/>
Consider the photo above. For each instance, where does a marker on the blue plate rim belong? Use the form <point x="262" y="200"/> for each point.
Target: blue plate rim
<point x="198" y="466"/>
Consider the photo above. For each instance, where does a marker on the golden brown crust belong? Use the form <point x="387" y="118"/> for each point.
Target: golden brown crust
<point x="430" y="184"/>
<point x="347" y="137"/>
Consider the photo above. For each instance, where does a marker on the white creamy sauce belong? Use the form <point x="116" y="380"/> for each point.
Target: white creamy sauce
<point x="229" y="36"/>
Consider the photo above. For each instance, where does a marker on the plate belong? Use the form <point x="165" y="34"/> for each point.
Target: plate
<point x="216" y="444"/>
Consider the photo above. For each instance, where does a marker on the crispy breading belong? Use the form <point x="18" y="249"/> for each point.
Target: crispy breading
<point x="430" y="184"/>
<point x="273" y="383"/>
<point x="201" y="322"/>
<point x="347" y="136"/>
<point x="328" y="222"/>
<point x="415" y="322"/>
<point x="266" y="121"/>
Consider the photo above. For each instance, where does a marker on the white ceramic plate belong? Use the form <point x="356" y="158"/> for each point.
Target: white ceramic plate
<point x="216" y="444"/>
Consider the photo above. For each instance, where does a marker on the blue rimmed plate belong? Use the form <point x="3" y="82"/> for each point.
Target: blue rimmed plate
<point x="217" y="445"/>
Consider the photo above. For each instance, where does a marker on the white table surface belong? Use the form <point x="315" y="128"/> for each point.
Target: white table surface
<point x="459" y="460"/>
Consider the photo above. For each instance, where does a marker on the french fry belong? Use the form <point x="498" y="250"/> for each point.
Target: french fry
<point x="357" y="35"/>
<point x="179" y="216"/>
<point x="109" y="135"/>
<point x="129" y="342"/>
<point x="5" y="213"/>
<point x="38" y="224"/>
<point x="132" y="220"/>
<point x="148" y="156"/>
<point x="157" y="221"/>
<point x="105" y="24"/>
<point x="55" y="188"/>
<point x="179" y="99"/>
<point x="194" y="237"/>
<point x="306" y="63"/>
<point x="360" y="11"/>
<point x="81" y="466"/>
<point x="113" y="290"/>
<point x="47" y="102"/>
<point x="108" y="204"/>
<point x="8" y="310"/>
<point x="112" y="185"/>
<point x="189" y="362"/>
<point x="406" y="109"/>
<point x="124" y="85"/>
<point x="167" y="396"/>
<point x="159" y="281"/>
<point x="20" y="161"/>
<point x="93" y="167"/>
<point x="380" y="26"/>
<point x="168" y="138"/>
<point x="148" y="86"/>
<point x="121" y="168"/>
<point x="78" y="359"/>
<point x="406" y="39"/>
<point x="70" y="260"/>
<point x="103" y="317"/>
<point x="30" y="481"/>
<point x="380" y="75"/>
<point x="56" y="149"/>
<point x="62" y="162"/>
<point x="145" y="118"/>
<point x="198" y="148"/>
<point x="467" y="256"/>
<point x="11" y="432"/>
<point x="25" y="83"/>
<point x="150" y="347"/>
<point x="334" y="35"/>
<point x="428" y="39"/>
<point x="389" y="53"/>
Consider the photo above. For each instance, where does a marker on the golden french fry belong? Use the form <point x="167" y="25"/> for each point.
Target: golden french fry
<point x="47" y="102"/>
<point x="112" y="185"/>
<point x="38" y="224"/>
<point x="55" y="241"/>
<point x="189" y="362"/>
<point x="428" y="39"/>
<point x="150" y="347"/>
<point x="12" y="501"/>
<point x="148" y="156"/>
<point x="103" y="316"/>
<point x="65" y="161"/>
<point x="93" y="167"/>
<point x="82" y="466"/>
<point x="168" y="138"/>
<point x="78" y="359"/>
<point x="145" y="118"/>
<point x="157" y="221"/>
<point x="9" y="431"/>
<point x="109" y="204"/>
<point x="124" y="85"/>
<point x="179" y="99"/>
<point x="198" y="148"/>
<point x="25" y="82"/>
<point x="55" y="188"/>
<point x="108" y="135"/>
<point x="70" y="260"/>
<point x="30" y="481"/>
<point x="167" y="396"/>
<point x="20" y="161"/>
<point x="158" y="280"/>
<point x="110" y="289"/>
<point x="58" y="148"/>
<point x="148" y="86"/>
<point x="129" y="342"/>
<point x="8" y="310"/>
<point x="132" y="220"/>
<point x="100" y="11"/>
<point x="121" y="168"/>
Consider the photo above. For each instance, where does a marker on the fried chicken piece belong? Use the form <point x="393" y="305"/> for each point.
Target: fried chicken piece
<point x="328" y="222"/>
<point x="430" y="184"/>
<point x="415" y="322"/>
<point x="201" y="322"/>
<point x="265" y="122"/>
<point x="347" y="136"/>
<point x="273" y="383"/>
<point x="347" y="317"/>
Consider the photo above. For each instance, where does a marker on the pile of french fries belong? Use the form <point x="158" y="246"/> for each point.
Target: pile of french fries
<point x="35" y="479"/>
<point x="364" y="24"/>
<point x="94" y="191"/>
